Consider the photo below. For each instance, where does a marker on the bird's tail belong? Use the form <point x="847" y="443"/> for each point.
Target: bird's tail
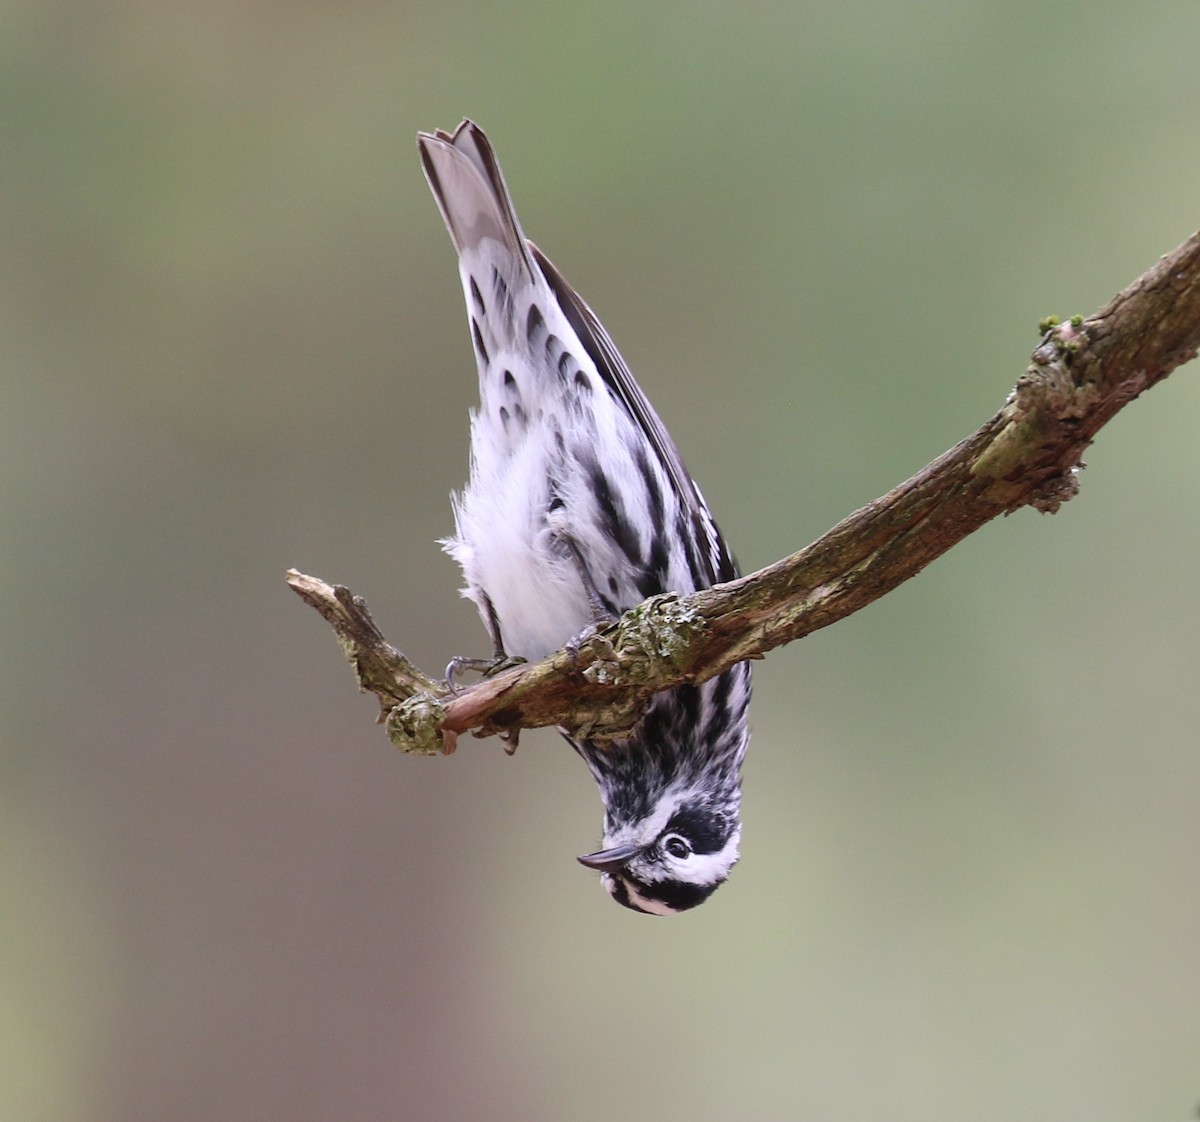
<point x="466" y="180"/>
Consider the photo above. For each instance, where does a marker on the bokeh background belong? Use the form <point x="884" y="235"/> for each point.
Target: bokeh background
<point x="823" y="235"/>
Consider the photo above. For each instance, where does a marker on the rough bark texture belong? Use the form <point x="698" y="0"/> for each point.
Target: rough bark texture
<point x="1081" y="374"/>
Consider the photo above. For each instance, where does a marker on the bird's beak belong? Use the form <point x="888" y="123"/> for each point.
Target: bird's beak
<point x="610" y="860"/>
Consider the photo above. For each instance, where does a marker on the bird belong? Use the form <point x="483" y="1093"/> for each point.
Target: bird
<point x="578" y="507"/>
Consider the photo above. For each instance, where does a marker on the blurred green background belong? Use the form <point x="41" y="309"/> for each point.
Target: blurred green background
<point x="823" y="235"/>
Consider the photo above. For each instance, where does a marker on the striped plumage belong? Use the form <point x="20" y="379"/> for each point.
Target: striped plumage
<point x="579" y="507"/>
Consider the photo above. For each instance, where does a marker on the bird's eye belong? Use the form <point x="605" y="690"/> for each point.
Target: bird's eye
<point x="677" y="846"/>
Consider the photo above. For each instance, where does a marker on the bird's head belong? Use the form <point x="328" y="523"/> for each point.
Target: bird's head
<point x="671" y="860"/>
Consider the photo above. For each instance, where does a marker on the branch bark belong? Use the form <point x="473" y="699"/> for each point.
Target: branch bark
<point x="1029" y="454"/>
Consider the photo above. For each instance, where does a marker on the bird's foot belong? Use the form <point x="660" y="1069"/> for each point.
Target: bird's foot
<point x="485" y="667"/>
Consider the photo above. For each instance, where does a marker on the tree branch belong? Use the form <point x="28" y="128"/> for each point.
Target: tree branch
<point x="1029" y="454"/>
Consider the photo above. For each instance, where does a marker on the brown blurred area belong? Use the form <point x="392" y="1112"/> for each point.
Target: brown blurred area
<point x="232" y="341"/>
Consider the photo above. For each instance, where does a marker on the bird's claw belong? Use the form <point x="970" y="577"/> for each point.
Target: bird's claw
<point x="485" y="667"/>
<point x="574" y="645"/>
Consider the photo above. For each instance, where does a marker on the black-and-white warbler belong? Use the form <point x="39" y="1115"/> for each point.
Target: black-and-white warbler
<point x="579" y="507"/>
